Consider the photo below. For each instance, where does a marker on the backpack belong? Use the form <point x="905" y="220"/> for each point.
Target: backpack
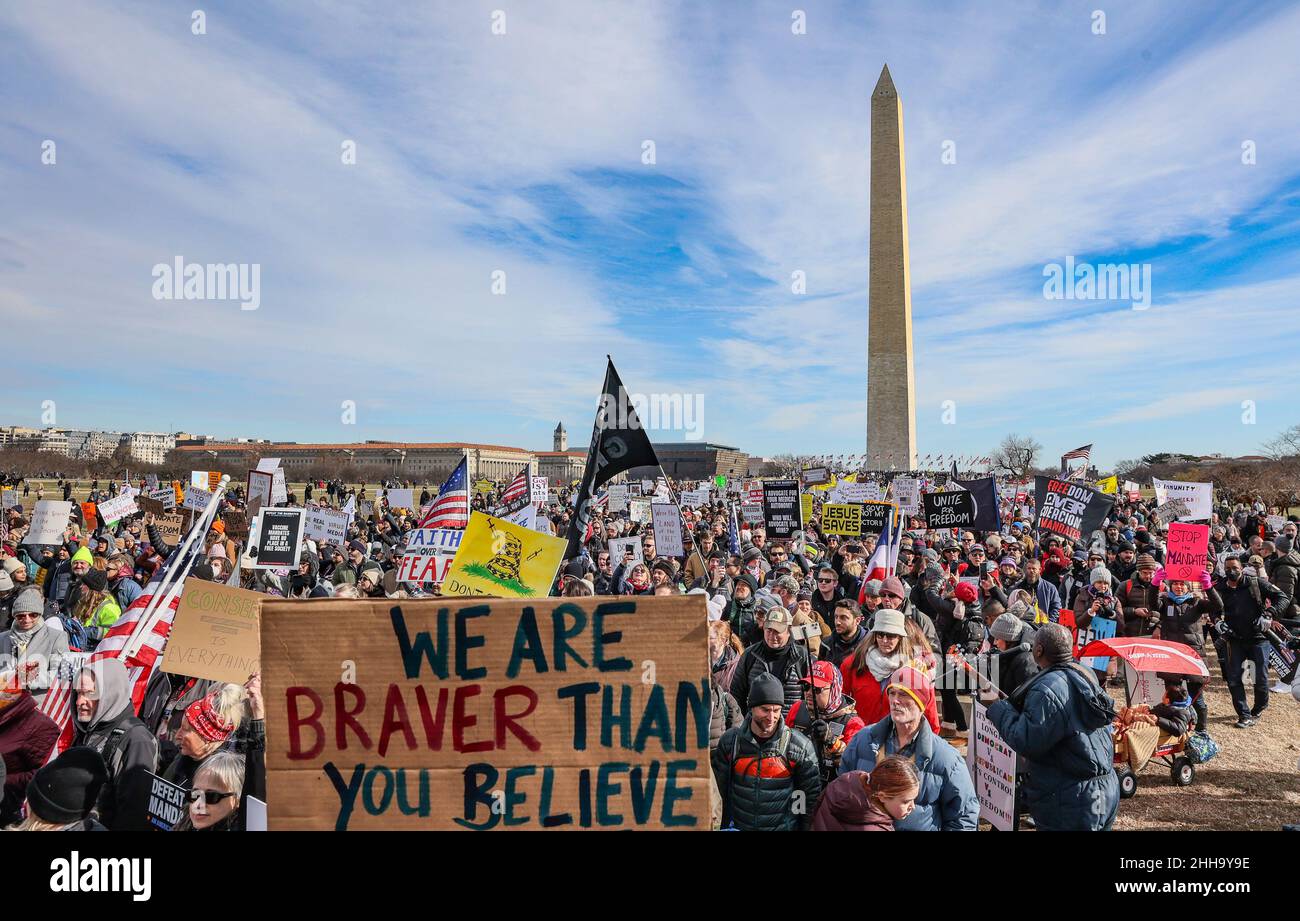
<point x="1201" y="748"/>
<point x="78" y="634"/>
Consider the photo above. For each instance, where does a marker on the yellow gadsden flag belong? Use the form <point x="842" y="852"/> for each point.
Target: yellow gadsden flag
<point x="499" y="558"/>
<point x="1110" y="485"/>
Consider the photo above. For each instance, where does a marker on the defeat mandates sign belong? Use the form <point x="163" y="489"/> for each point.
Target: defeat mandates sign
<point x="479" y="713"/>
<point x="279" y="538"/>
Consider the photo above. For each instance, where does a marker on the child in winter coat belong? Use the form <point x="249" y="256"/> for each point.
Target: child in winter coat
<point x="858" y="801"/>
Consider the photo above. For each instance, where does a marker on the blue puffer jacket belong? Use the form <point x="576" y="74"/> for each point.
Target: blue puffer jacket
<point x="1060" y="724"/>
<point x="947" y="800"/>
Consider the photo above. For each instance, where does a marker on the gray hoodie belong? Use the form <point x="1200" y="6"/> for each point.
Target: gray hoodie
<point x="129" y="749"/>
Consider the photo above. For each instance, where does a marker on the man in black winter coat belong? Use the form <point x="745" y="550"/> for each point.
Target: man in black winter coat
<point x="1015" y="661"/>
<point x="777" y="654"/>
<point x="1242" y="625"/>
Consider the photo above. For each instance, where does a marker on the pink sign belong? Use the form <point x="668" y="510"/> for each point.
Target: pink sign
<point x="1186" y="551"/>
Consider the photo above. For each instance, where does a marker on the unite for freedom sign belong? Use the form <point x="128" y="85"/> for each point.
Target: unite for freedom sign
<point x="1069" y="510"/>
<point x="564" y="713"/>
<point x="952" y="509"/>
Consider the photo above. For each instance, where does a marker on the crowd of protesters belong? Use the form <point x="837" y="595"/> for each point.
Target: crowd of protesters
<point x="840" y="698"/>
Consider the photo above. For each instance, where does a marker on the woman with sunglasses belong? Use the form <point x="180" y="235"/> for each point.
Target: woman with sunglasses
<point x="217" y="800"/>
<point x="206" y="730"/>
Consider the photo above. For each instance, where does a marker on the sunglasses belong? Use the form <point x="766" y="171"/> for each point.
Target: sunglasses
<point x="826" y="581"/>
<point x="211" y="797"/>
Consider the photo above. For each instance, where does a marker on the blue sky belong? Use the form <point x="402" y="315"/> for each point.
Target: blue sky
<point x="522" y="153"/>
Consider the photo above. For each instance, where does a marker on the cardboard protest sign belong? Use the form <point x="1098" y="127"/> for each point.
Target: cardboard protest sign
<point x="117" y="509"/>
<point x="165" y="497"/>
<point x="268" y="464"/>
<point x="49" y="521"/>
<point x="815" y="475"/>
<point x="1171" y="511"/>
<point x="214" y="480"/>
<point x="196" y="499"/>
<point x="842" y="519"/>
<point x="753" y="495"/>
<point x="151" y="481"/>
<point x="400" y="498"/>
<point x="1199" y="497"/>
<point x="323" y="524"/>
<point x="952" y="509"/>
<point x="617" y="497"/>
<point x="496" y="557"/>
<point x="236" y="525"/>
<point x="8" y="497"/>
<point x="667" y="520"/>
<point x="1275" y="523"/>
<point x="633" y="489"/>
<point x="279" y="538"/>
<point x="170" y="527"/>
<point x="877" y="518"/>
<point x="215" y="633"/>
<point x="619" y="548"/>
<point x="150" y="506"/>
<point x="428" y="554"/>
<point x="992" y="766"/>
<point x="782" y="513"/>
<point x="89" y="516"/>
<point x="1070" y="510"/>
<point x="178" y="493"/>
<point x="752" y="514"/>
<point x="166" y="805"/>
<point x="1186" y="550"/>
<point x="1132" y="490"/>
<point x="453" y="699"/>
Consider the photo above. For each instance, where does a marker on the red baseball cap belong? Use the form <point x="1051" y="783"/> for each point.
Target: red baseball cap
<point x="821" y="676"/>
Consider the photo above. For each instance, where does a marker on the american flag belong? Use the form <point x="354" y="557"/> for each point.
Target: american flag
<point x="517" y="491"/>
<point x="451" y="508"/>
<point x="1085" y="452"/>
<point x="60" y="699"/>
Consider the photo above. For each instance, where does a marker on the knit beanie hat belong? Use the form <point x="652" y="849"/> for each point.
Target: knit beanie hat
<point x="766" y="690"/>
<point x="207" y="722"/>
<point x="29" y="601"/>
<point x="1100" y="574"/>
<point x="1147" y="561"/>
<point x="95" y="580"/>
<point x="65" y="790"/>
<point x="916" y="683"/>
<point x="1007" y="627"/>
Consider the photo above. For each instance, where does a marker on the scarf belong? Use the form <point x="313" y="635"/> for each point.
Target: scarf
<point x="1180" y="599"/>
<point x="882" y="666"/>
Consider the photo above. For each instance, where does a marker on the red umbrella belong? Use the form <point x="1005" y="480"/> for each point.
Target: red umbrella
<point x="1150" y="655"/>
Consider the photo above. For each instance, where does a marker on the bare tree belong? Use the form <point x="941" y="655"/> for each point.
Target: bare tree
<point x="1286" y="444"/>
<point x="1016" y="455"/>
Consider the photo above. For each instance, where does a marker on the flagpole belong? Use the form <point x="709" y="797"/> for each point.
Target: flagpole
<point x="170" y="585"/>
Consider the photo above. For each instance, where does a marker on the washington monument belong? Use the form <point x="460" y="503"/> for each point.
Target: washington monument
<point x="891" y="390"/>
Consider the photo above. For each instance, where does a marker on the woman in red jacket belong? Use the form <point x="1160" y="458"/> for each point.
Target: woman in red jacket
<point x="886" y="649"/>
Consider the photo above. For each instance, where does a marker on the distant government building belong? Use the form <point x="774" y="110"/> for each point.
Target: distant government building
<point x="433" y="462"/>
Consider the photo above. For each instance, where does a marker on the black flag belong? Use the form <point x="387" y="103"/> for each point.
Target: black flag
<point x="618" y="443"/>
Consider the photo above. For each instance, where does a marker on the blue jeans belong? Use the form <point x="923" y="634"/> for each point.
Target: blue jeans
<point x="1238" y="652"/>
